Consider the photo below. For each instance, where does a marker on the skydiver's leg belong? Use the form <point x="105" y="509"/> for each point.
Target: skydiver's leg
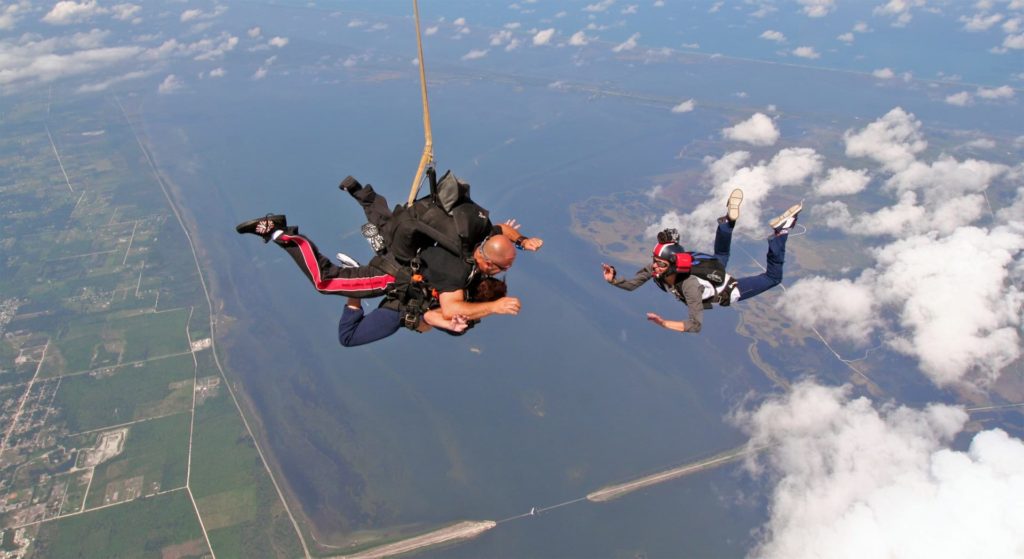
<point x="360" y="283"/>
<point x="723" y="240"/>
<point x="374" y="205"/>
<point x="755" y="285"/>
<point x="356" y="328"/>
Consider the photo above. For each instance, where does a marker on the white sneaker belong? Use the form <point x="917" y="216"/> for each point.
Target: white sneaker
<point x="733" y="205"/>
<point x="346" y="261"/>
<point x="787" y="220"/>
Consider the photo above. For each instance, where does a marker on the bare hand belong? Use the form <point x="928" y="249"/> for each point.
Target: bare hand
<point x="511" y="222"/>
<point x="458" y="324"/>
<point x="609" y="272"/>
<point x="507" y="305"/>
<point x="656" y="319"/>
<point x="532" y="243"/>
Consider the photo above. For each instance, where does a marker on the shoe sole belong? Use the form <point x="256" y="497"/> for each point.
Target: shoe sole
<point x="735" y="199"/>
<point x="250" y="226"/>
<point x="793" y="210"/>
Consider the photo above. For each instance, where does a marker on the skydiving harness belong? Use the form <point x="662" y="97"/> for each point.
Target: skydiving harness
<point x="717" y="284"/>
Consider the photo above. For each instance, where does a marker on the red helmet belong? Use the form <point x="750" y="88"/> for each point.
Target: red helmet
<point x="678" y="259"/>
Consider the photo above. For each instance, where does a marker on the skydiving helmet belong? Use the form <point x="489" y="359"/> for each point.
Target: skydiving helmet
<point x="672" y="252"/>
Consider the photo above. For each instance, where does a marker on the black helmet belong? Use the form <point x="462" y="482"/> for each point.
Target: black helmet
<point x="678" y="259"/>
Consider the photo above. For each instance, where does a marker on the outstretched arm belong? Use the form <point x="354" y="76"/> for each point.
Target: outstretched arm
<point x="694" y="307"/>
<point x="642" y="276"/>
<point x="453" y="303"/>
<point x="511" y="230"/>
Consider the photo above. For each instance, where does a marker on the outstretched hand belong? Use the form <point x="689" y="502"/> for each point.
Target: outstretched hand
<point x="655" y="318"/>
<point x="532" y="244"/>
<point x="507" y="305"/>
<point x="609" y="272"/>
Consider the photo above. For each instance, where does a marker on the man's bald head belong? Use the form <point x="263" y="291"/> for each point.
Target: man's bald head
<point x="495" y="255"/>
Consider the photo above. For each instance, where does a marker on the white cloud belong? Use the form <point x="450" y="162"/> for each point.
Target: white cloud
<point x="278" y="42"/>
<point x="980" y="22"/>
<point x="630" y="9"/>
<point x="1015" y="42"/>
<point x="817" y="8"/>
<point x="579" y="39"/>
<point x="475" y="54"/>
<point x="851" y="480"/>
<point x="599" y="6"/>
<point x="217" y="73"/>
<point x="1001" y="92"/>
<point x="843" y="182"/>
<point x="356" y="23"/>
<point x="260" y="73"/>
<point x="191" y="14"/>
<point x="839" y="309"/>
<point x="67" y="12"/>
<point x="893" y="140"/>
<point x="125" y="12"/>
<point x="31" y="61"/>
<point x="773" y="35"/>
<point x="543" y="37"/>
<point x="105" y="84"/>
<point x="846" y="37"/>
<point x="254" y="32"/>
<point x="170" y="84"/>
<point x="861" y="27"/>
<point x="789" y="167"/>
<point x="459" y="22"/>
<point x="628" y="44"/>
<point x="9" y="15"/>
<point x="758" y="130"/>
<point x="899" y="10"/>
<point x="685" y="106"/>
<point x="961" y="99"/>
<point x="883" y="73"/>
<point x="981" y="143"/>
<point x="806" y="52"/>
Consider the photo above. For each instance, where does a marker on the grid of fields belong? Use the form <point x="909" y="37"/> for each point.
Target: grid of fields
<point x="120" y="436"/>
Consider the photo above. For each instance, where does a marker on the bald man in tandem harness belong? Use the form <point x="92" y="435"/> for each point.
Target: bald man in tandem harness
<point x="698" y="280"/>
<point x="431" y="259"/>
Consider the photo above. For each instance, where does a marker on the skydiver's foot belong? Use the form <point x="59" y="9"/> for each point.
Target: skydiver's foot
<point x="787" y="220"/>
<point x="346" y="261"/>
<point x="373" y="236"/>
<point x="733" y="206"/>
<point x="350" y="184"/>
<point x="263" y="226"/>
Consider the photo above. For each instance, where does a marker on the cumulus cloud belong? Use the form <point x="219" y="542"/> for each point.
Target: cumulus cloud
<point x="170" y="84"/>
<point x="758" y="130"/>
<point x="475" y="54"/>
<point x="851" y="479"/>
<point x="1001" y="92"/>
<point x="980" y="22"/>
<point x="67" y="12"/>
<point x="217" y="73"/>
<point x="899" y="10"/>
<point x="628" y="44"/>
<point x="773" y="35"/>
<point x="28" y="61"/>
<point x="685" y="106"/>
<point x="107" y="83"/>
<point x="839" y="309"/>
<point x="843" y="182"/>
<point x="10" y="14"/>
<point x="254" y="32"/>
<point x="431" y="30"/>
<point x="789" y="167"/>
<point x="601" y="6"/>
<point x="883" y="73"/>
<point x="817" y="8"/>
<point x="543" y="37"/>
<point x="1015" y="42"/>
<point x="961" y="99"/>
<point x="579" y="39"/>
<point x="845" y="37"/>
<point x="126" y="12"/>
<point x="278" y="42"/>
<point x="893" y="140"/>
<point x="806" y="52"/>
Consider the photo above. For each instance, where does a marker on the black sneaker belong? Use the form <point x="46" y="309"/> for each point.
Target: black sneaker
<point x="373" y="237"/>
<point x="787" y="220"/>
<point x="350" y="184"/>
<point x="263" y="226"/>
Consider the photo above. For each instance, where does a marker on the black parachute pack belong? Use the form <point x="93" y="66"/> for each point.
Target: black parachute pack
<point x="447" y="217"/>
